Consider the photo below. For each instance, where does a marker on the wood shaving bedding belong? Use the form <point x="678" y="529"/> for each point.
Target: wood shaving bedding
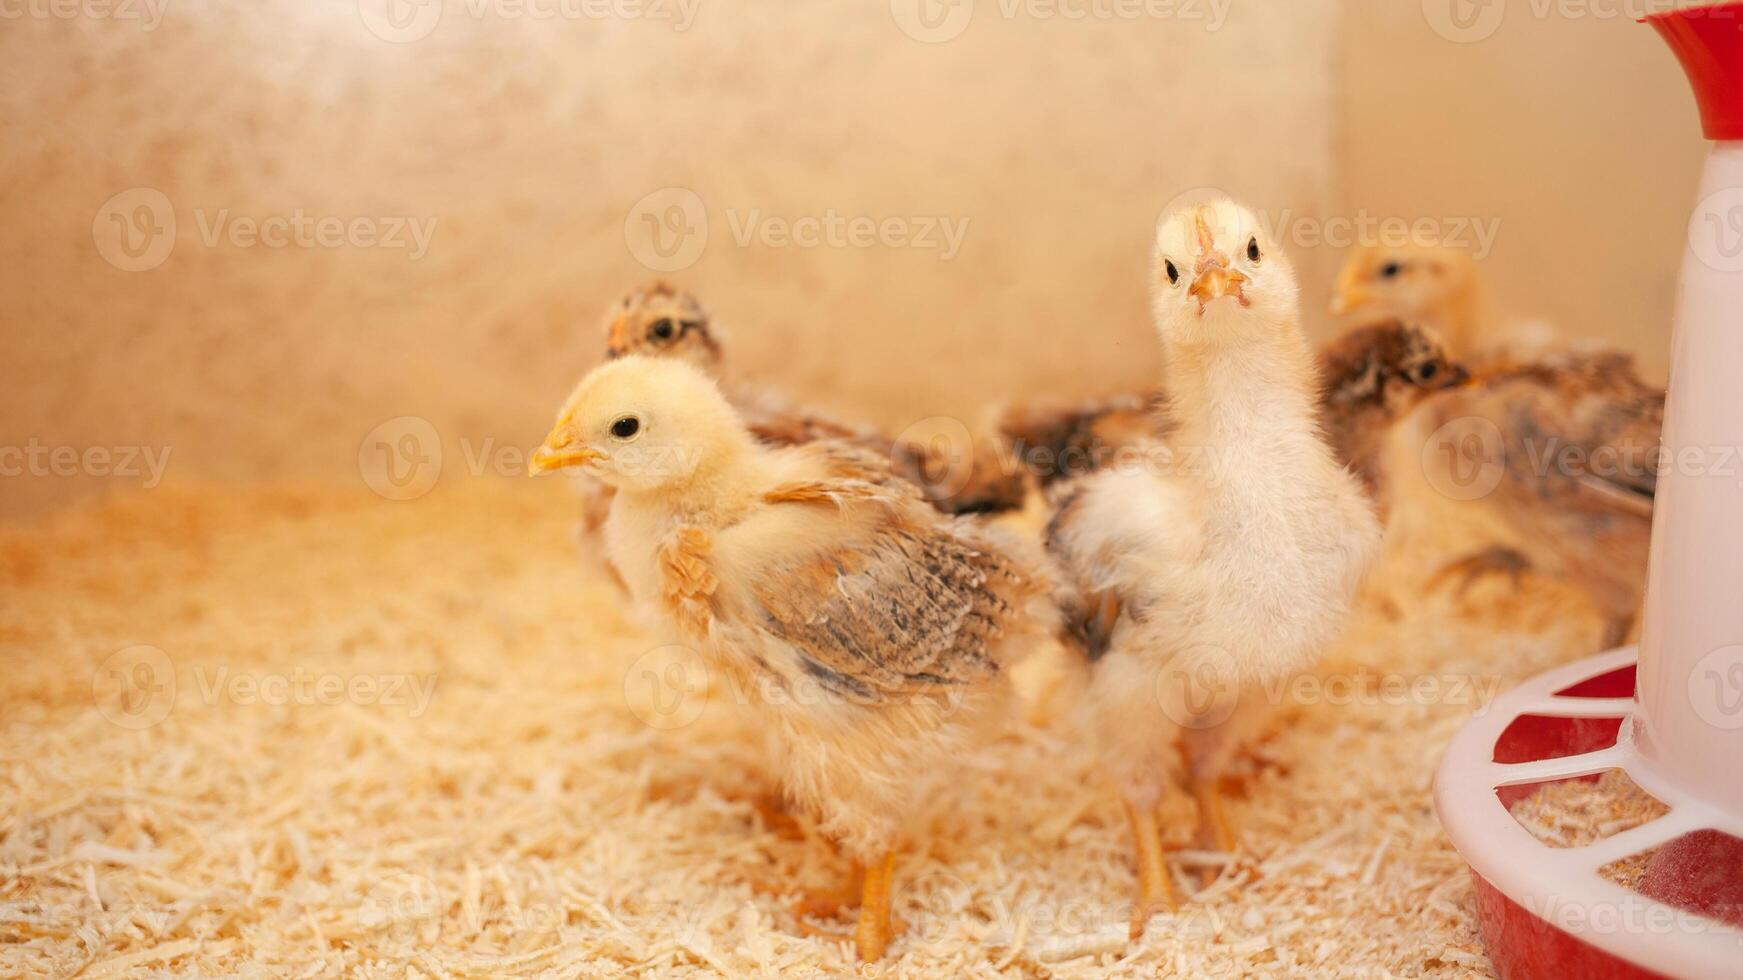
<point x="532" y="818"/>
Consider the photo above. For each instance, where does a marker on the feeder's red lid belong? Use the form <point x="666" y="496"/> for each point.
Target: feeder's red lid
<point x="1709" y="42"/>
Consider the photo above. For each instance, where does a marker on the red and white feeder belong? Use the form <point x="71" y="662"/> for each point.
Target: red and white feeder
<point x="1673" y="721"/>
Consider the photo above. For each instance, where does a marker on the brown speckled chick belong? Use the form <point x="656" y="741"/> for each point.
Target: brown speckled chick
<point x="1371" y="377"/>
<point x="1549" y="409"/>
<point x="869" y="633"/>
<point x="1569" y="445"/>
<point x="658" y="320"/>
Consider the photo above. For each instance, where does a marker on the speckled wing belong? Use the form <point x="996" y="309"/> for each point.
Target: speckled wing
<point x="901" y="601"/>
<point x="775" y="422"/>
<point x="1087" y="616"/>
<point x="1058" y="443"/>
<point x="855" y="462"/>
<point x="1595" y="406"/>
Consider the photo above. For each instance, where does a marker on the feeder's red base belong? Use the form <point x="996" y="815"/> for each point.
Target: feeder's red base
<point x="1525" y="947"/>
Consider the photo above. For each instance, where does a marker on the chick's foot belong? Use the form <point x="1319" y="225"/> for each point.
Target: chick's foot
<point x="1155" y="886"/>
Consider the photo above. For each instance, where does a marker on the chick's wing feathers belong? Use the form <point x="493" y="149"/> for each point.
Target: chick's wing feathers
<point x="1584" y="416"/>
<point x="876" y="593"/>
<point x="900" y="606"/>
<point x="844" y="470"/>
<point x="687" y="580"/>
<point x="1059" y="442"/>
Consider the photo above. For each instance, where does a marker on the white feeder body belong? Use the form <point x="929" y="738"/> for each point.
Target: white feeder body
<point x="1690" y="722"/>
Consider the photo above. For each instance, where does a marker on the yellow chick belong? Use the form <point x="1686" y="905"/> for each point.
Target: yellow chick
<point x="1190" y="585"/>
<point x="808" y="570"/>
<point x="1439" y="285"/>
<point x="658" y="320"/>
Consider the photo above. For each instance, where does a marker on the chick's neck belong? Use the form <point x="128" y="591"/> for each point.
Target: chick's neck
<point x="722" y="486"/>
<point x="1466" y="316"/>
<point x="1246" y="395"/>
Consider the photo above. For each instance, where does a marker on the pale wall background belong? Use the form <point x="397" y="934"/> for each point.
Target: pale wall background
<point x="529" y="143"/>
<point x="1575" y="130"/>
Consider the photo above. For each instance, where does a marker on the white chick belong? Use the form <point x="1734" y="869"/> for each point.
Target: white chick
<point x="869" y="632"/>
<point x="1192" y="584"/>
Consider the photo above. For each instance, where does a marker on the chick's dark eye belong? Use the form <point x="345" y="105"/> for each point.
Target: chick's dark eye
<point x="1173" y="273"/>
<point x="1253" y="249"/>
<point x="662" y="330"/>
<point x="1390" y="270"/>
<point x="625" y="427"/>
<point x="1427" y="371"/>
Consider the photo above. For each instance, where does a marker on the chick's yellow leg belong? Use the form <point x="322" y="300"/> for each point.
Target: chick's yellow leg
<point x="1155" y="887"/>
<point x="873" y="933"/>
<point x="1213" y="821"/>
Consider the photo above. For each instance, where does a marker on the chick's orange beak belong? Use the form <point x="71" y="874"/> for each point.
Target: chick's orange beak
<point x="1346" y="299"/>
<point x="1217" y="281"/>
<point x="562" y="449"/>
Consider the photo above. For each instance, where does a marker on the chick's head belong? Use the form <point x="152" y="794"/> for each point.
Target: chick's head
<point x="1218" y="278"/>
<point x="1390" y="364"/>
<point x="643" y="425"/>
<point x="660" y="321"/>
<point x="1418" y="281"/>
